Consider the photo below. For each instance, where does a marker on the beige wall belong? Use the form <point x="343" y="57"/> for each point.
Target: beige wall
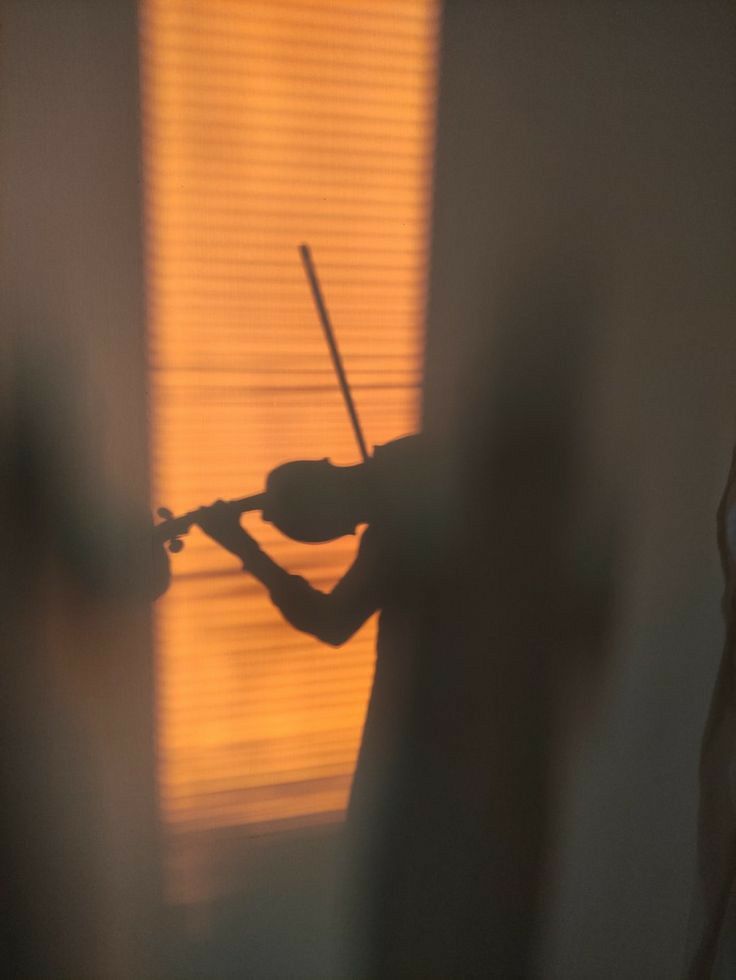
<point x="585" y="164"/>
<point x="78" y="784"/>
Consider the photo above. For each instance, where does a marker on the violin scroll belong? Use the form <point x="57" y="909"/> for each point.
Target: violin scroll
<point x="175" y="543"/>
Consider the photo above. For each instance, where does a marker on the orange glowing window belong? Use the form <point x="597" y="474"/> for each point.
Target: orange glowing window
<point x="267" y="124"/>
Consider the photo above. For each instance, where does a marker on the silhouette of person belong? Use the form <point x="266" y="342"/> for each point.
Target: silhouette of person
<point x="390" y="575"/>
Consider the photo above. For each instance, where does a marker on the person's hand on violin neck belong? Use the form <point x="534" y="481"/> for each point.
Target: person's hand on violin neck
<point x="221" y="522"/>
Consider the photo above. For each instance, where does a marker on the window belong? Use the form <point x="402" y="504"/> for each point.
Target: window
<point x="268" y="124"/>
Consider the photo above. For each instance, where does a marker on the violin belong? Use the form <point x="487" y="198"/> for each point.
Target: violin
<point x="299" y="498"/>
<point x="302" y="499"/>
<point x="172" y="528"/>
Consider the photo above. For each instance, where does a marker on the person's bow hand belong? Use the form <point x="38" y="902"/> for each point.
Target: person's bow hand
<point x="221" y="522"/>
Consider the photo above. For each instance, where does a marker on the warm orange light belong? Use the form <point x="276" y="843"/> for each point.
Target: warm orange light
<point x="267" y="124"/>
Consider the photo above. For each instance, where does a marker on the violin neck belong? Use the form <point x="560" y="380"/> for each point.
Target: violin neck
<point x="175" y="526"/>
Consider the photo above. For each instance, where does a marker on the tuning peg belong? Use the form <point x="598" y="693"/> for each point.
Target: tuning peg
<point x="175" y="545"/>
<point x="165" y="513"/>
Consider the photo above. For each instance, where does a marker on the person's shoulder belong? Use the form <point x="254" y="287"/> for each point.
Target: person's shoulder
<point x="400" y="454"/>
<point x="401" y="446"/>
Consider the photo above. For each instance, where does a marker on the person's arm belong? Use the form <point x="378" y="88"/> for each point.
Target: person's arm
<point x="331" y="617"/>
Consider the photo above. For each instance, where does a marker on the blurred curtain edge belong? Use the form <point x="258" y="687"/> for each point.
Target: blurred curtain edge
<point x="79" y="847"/>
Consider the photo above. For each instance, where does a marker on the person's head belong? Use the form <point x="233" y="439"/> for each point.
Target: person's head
<point x="314" y="500"/>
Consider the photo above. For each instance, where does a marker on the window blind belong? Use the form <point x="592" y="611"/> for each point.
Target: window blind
<point x="267" y="124"/>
